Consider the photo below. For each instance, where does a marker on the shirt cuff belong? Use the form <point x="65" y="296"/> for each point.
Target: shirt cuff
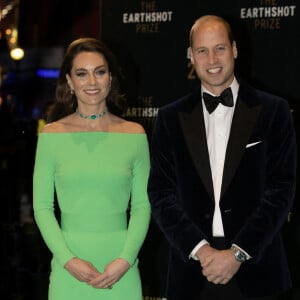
<point x="198" y="246"/>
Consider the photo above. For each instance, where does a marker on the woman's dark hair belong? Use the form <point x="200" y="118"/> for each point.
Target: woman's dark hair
<point x="66" y="102"/>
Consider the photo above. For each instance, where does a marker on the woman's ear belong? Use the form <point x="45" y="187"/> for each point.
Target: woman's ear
<point x="69" y="81"/>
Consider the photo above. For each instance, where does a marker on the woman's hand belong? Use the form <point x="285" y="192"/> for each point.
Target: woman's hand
<point x="112" y="273"/>
<point x="81" y="269"/>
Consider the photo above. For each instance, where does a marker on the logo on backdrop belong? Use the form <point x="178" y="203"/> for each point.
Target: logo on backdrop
<point x="148" y="18"/>
<point x="146" y="110"/>
<point x="145" y="113"/>
<point x="268" y="15"/>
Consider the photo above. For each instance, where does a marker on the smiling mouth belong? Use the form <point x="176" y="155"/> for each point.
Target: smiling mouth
<point x="92" y="92"/>
<point x="214" y="70"/>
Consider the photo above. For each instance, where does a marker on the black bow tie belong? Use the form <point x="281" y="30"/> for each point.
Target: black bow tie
<point x="212" y="102"/>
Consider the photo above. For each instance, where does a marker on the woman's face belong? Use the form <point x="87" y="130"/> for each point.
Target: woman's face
<point x="90" y="79"/>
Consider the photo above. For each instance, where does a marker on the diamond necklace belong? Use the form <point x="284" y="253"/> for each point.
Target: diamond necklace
<point x="92" y="116"/>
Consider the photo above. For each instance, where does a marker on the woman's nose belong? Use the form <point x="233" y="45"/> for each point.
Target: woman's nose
<point x="92" y="79"/>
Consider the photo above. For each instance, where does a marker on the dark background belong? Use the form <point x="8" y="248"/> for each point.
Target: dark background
<point x="153" y="57"/>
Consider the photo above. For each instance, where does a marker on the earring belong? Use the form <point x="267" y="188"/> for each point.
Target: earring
<point x="72" y="92"/>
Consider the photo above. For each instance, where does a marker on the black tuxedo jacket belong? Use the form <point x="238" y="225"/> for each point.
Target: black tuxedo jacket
<point x="256" y="195"/>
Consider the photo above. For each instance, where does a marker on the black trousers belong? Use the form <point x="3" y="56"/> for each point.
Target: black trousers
<point x="229" y="291"/>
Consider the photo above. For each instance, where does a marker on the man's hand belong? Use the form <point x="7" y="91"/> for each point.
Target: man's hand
<point x="218" y="266"/>
<point x="205" y="255"/>
<point x="222" y="267"/>
<point x="112" y="273"/>
<point x="81" y="269"/>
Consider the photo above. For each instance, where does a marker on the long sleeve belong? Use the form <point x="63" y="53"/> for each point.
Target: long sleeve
<point x="277" y="197"/>
<point x="165" y="192"/>
<point x="139" y="205"/>
<point x="43" y="201"/>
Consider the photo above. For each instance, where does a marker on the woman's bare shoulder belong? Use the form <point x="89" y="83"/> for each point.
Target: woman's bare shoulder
<point x="53" y="127"/>
<point x="61" y="125"/>
<point x="134" y="127"/>
<point x="128" y="126"/>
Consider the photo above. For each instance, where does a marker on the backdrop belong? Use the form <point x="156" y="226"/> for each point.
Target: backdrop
<point x="150" y="39"/>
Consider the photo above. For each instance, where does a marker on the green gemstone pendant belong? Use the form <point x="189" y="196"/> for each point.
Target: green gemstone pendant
<point x="92" y="116"/>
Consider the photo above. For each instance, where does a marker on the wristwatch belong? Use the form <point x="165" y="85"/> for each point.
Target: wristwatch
<point x="238" y="254"/>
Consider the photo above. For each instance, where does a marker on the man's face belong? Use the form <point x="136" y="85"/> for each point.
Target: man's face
<point x="212" y="55"/>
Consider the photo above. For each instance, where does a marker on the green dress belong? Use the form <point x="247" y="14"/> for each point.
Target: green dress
<point x="100" y="179"/>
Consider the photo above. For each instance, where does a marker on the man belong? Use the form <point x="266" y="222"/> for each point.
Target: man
<point x="223" y="178"/>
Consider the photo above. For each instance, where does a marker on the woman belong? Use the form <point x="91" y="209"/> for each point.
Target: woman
<point x="98" y="164"/>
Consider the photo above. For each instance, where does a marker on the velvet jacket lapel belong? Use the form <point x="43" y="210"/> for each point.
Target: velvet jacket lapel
<point x="193" y="126"/>
<point x="192" y="122"/>
<point x="243" y="122"/>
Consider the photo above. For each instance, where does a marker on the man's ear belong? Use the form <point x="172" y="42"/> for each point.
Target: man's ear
<point x="190" y="55"/>
<point x="234" y="48"/>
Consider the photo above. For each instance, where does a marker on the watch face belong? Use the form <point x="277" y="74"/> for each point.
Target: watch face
<point x="240" y="256"/>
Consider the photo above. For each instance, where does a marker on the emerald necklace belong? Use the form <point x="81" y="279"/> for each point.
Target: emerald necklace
<point x="92" y="116"/>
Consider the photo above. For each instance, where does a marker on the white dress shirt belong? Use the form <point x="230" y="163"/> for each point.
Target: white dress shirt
<point x="217" y="125"/>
